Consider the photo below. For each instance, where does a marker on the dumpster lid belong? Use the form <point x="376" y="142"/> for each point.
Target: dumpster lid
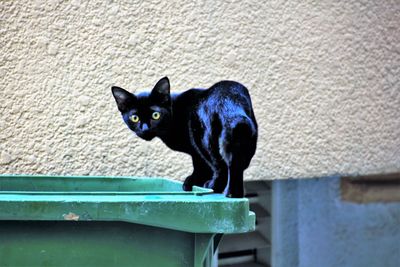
<point x="151" y="201"/>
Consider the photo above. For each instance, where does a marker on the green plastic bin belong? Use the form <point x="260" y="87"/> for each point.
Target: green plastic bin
<point x="113" y="221"/>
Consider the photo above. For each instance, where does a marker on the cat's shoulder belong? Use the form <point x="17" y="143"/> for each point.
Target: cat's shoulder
<point x="189" y="97"/>
<point x="191" y="93"/>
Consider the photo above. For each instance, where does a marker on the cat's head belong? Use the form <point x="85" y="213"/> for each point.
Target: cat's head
<point x="147" y="114"/>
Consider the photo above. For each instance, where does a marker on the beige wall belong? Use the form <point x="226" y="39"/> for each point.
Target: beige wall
<point x="324" y="78"/>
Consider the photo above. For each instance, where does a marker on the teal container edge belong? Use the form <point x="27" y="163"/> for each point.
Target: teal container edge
<point x="149" y="201"/>
<point x="66" y="244"/>
<point x="113" y="221"/>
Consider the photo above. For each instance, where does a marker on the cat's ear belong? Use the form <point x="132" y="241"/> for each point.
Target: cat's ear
<point x="161" y="91"/>
<point x="124" y="99"/>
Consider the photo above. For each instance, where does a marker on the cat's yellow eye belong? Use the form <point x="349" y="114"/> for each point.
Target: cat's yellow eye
<point x="156" y="115"/>
<point x="134" y="118"/>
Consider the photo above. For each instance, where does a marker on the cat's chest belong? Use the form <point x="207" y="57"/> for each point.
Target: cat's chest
<point x="178" y="143"/>
<point x="178" y="140"/>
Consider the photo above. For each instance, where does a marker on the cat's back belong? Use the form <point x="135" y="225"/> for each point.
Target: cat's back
<point x="228" y="97"/>
<point x="228" y="88"/>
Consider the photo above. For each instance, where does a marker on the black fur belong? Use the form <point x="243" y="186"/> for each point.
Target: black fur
<point x="216" y="126"/>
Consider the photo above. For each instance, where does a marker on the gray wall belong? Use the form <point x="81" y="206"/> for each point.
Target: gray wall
<point x="324" y="77"/>
<point x="313" y="227"/>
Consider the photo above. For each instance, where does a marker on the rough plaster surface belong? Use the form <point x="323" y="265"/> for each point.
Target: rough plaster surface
<point x="324" y="78"/>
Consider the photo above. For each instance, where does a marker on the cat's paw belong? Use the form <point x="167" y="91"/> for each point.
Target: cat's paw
<point x="187" y="187"/>
<point x="188" y="184"/>
<point x="233" y="194"/>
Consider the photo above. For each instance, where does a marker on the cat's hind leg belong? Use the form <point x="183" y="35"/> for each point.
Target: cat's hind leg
<point x="219" y="166"/>
<point x="219" y="177"/>
<point x="238" y="148"/>
<point x="234" y="185"/>
<point x="239" y="160"/>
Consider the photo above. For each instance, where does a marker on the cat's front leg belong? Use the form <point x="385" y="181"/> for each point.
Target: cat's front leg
<point x="189" y="183"/>
<point x="201" y="173"/>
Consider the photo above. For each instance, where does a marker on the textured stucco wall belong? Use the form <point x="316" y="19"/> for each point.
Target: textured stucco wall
<point x="324" y="77"/>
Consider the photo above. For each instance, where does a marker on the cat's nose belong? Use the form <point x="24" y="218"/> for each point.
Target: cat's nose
<point x="145" y="127"/>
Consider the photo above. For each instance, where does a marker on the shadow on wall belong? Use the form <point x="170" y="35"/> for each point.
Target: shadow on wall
<point x="335" y="221"/>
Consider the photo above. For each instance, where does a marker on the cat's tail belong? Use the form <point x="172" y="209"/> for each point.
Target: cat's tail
<point x="242" y="128"/>
<point x="240" y="139"/>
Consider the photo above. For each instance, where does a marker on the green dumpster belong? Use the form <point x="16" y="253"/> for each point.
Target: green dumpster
<point x="113" y="221"/>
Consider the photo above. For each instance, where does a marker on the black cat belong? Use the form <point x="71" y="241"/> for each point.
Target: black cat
<point x="216" y="126"/>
